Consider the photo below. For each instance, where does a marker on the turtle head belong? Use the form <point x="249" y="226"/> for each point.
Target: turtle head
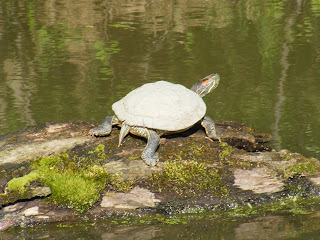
<point x="206" y="85"/>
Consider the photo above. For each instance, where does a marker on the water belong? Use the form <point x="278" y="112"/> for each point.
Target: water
<point x="275" y="227"/>
<point x="70" y="60"/>
<point x="65" y="61"/>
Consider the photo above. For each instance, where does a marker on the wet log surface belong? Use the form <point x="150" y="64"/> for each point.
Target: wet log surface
<point x="194" y="173"/>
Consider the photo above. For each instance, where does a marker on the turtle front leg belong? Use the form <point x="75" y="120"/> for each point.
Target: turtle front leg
<point x="210" y="128"/>
<point x="149" y="154"/>
<point x="105" y="127"/>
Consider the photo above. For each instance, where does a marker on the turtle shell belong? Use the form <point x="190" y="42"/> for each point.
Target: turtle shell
<point x="161" y="105"/>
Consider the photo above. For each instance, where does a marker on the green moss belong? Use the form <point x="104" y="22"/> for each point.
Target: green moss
<point x="226" y="157"/>
<point x="306" y="167"/>
<point x="21" y="184"/>
<point x="76" y="187"/>
<point x="200" y="150"/>
<point x="77" y="192"/>
<point x="134" y="157"/>
<point x="292" y="206"/>
<point x="188" y="178"/>
<point x="98" y="153"/>
<point x="117" y="183"/>
<point x="98" y="149"/>
<point x="288" y="157"/>
<point x="226" y="151"/>
<point x="75" y="183"/>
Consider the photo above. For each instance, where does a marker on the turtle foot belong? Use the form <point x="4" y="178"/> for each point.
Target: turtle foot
<point x="99" y="131"/>
<point x="150" y="160"/>
<point x="105" y="127"/>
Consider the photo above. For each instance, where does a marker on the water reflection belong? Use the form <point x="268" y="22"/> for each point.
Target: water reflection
<point x="284" y="64"/>
<point x="219" y="228"/>
<point x="141" y="233"/>
<point x="16" y="94"/>
<point x="69" y="60"/>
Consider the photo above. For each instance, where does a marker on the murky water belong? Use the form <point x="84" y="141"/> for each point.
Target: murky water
<point x="70" y="60"/>
<point x="263" y="228"/>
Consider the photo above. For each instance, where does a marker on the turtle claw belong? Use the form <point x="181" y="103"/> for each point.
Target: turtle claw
<point x="212" y="140"/>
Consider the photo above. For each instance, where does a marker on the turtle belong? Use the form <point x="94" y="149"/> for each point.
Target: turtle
<point x="160" y="108"/>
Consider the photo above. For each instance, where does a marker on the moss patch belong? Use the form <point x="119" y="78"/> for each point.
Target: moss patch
<point x="306" y="167"/>
<point x="75" y="182"/>
<point x="290" y="164"/>
<point x="200" y="150"/>
<point x="22" y="183"/>
<point x="293" y="206"/>
<point x="73" y="185"/>
<point x="189" y="178"/>
<point x="226" y="157"/>
<point x="99" y="150"/>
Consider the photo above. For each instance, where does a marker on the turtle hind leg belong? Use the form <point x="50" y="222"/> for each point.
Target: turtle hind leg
<point x="149" y="154"/>
<point x="105" y="127"/>
<point x="210" y="128"/>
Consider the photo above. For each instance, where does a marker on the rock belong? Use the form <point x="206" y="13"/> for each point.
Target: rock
<point x="137" y="198"/>
<point x="31" y="211"/>
<point x="31" y="192"/>
<point x="243" y="137"/>
<point x="131" y="169"/>
<point x="257" y="180"/>
<point x="5" y="224"/>
<point x="40" y="141"/>
<point x="315" y="180"/>
<point x="12" y="208"/>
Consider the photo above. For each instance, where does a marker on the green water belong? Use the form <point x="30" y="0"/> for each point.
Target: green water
<point x="70" y="60"/>
<point x="275" y="227"/>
